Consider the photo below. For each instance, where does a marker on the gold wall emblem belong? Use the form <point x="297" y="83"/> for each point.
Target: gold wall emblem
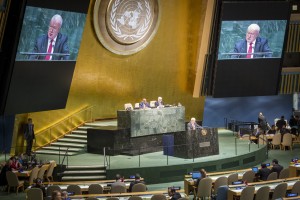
<point x="125" y="26"/>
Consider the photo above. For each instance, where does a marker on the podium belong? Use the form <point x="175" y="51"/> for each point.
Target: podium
<point x="196" y="143"/>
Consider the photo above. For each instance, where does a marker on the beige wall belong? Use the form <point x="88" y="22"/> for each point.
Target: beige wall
<point x="166" y="67"/>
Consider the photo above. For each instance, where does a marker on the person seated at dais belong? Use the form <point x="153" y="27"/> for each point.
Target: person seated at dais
<point x="192" y="125"/>
<point x="272" y="131"/>
<point x="159" y="103"/>
<point x="144" y="104"/>
<point x="281" y="122"/>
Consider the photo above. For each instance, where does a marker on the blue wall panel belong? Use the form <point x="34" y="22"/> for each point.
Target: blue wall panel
<point x="246" y="109"/>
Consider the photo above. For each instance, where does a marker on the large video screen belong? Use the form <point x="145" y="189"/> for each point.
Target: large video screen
<point x="49" y="34"/>
<point x="265" y="36"/>
<point x="48" y="46"/>
<point x="249" y="48"/>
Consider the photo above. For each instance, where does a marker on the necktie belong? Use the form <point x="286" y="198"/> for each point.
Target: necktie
<point x="49" y="51"/>
<point x="249" y="51"/>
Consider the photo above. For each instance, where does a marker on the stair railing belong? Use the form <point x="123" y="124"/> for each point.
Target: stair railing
<point x="63" y="127"/>
<point x="65" y="155"/>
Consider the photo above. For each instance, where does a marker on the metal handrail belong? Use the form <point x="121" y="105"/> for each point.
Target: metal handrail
<point x="48" y="130"/>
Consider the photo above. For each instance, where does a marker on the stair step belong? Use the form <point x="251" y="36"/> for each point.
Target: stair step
<point x="73" y="178"/>
<point x="84" y="172"/>
<point x="54" y="152"/>
<point x="67" y="144"/>
<point x="81" y="132"/>
<point x="75" y="136"/>
<point x="84" y="128"/>
<point x="72" y="140"/>
<point x="62" y="148"/>
<point x="85" y="166"/>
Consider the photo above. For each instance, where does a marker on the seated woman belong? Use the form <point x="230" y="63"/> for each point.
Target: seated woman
<point x="14" y="164"/>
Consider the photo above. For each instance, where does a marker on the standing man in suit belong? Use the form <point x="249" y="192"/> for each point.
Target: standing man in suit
<point x="255" y="46"/>
<point x="52" y="42"/>
<point x="29" y="135"/>
<point x="192" y="125"/>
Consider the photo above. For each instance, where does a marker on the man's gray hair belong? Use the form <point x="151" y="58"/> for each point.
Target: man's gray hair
<point x="57" y="18"/>
<point x="254" y="27"/>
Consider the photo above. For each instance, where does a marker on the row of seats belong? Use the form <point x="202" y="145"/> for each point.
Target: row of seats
<point x="205" y="190"/>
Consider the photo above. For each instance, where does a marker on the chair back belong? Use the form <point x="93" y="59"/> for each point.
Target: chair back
<point x="33" y="175"/>
<point x="51" y="188"/>
<point x="279" y="191"/>
<point x="232" y="178"/>
<point x="128" y="106"/>
<point x="118" y="189"/>
<point x="204" y="188"/>
<point x="95" y="189"/>
<point x="276" y="139"/>
<point x="12" y="179"/>
<point x="74" y="188"/>
<point x="222" y="192"/>
<point x="158" y="197"/>
<point x="42" y="172"/>
<point x="263" y="193"/>
<point x="287" y="139"/>
<point x="272" y="176"/>
<point x="285" y="173"/>
<point x="296" y="188"/>
<point x="262" y="139"/>
<point x="248" y="176"/>
<point x="135" y="198"/>
<point x="50" y="170"/>
<point x="136" y="105"/>
<point x="247" y="193"/>
<point x="221" y="181"/>
<point x="34" y="194"/>
<point x="139" y="187"/>
<point x="152" y="104"/>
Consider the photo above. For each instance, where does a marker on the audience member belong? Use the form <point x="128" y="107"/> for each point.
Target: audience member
<point x="280" y="123"/>
<point x="294" y="124"/>
<point x="263" y="172"/>
<point x="272" y="130"/>
<point x="56" y="195"/>
<point x="173" y="194"/>
<point x="4" y="169"/>
<point x="136" y="181"/>
<point x="192" y="125"/>
<point x="284" y="130"/>
<point x="119" y="181"/>
<point x="276" y="167"/>
<point x="159" y="103"/>
<point x="38" y="183"/>
<point x="65" y="196"/>
<point x="144" y="104"/>
<point x="14" y="164"/>
<point x="262" y="122"/>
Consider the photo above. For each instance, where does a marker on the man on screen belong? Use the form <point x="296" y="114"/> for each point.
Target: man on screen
<point x="252" y="46"/>
<point x="53" y="43"/>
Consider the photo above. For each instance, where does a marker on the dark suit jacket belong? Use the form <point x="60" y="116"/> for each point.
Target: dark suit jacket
<point x="147" y="105"/>
<point x="190" y="126"/>
<point x="277" y="168"/>
<point x="27" y="134"/>
<point x="157" y="104"/>
<point x="261" y="45"/>
<point x="61" y="46"/>
<point x="263" y="173"/>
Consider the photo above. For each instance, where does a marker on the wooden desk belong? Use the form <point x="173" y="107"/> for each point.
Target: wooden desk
<point x="144" y="195"/>
<point x="294" y="170"/>
<point x="234" y="193"/>
<point x="189" y="183"/>
<point x="26" y="173"/>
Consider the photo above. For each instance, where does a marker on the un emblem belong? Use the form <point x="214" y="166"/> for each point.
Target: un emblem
<point x="126" y="26"/>
<point x="204" y="132"/>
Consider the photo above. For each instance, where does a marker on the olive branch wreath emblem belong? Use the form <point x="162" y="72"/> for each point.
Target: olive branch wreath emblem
<point x="140" y="32"/>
